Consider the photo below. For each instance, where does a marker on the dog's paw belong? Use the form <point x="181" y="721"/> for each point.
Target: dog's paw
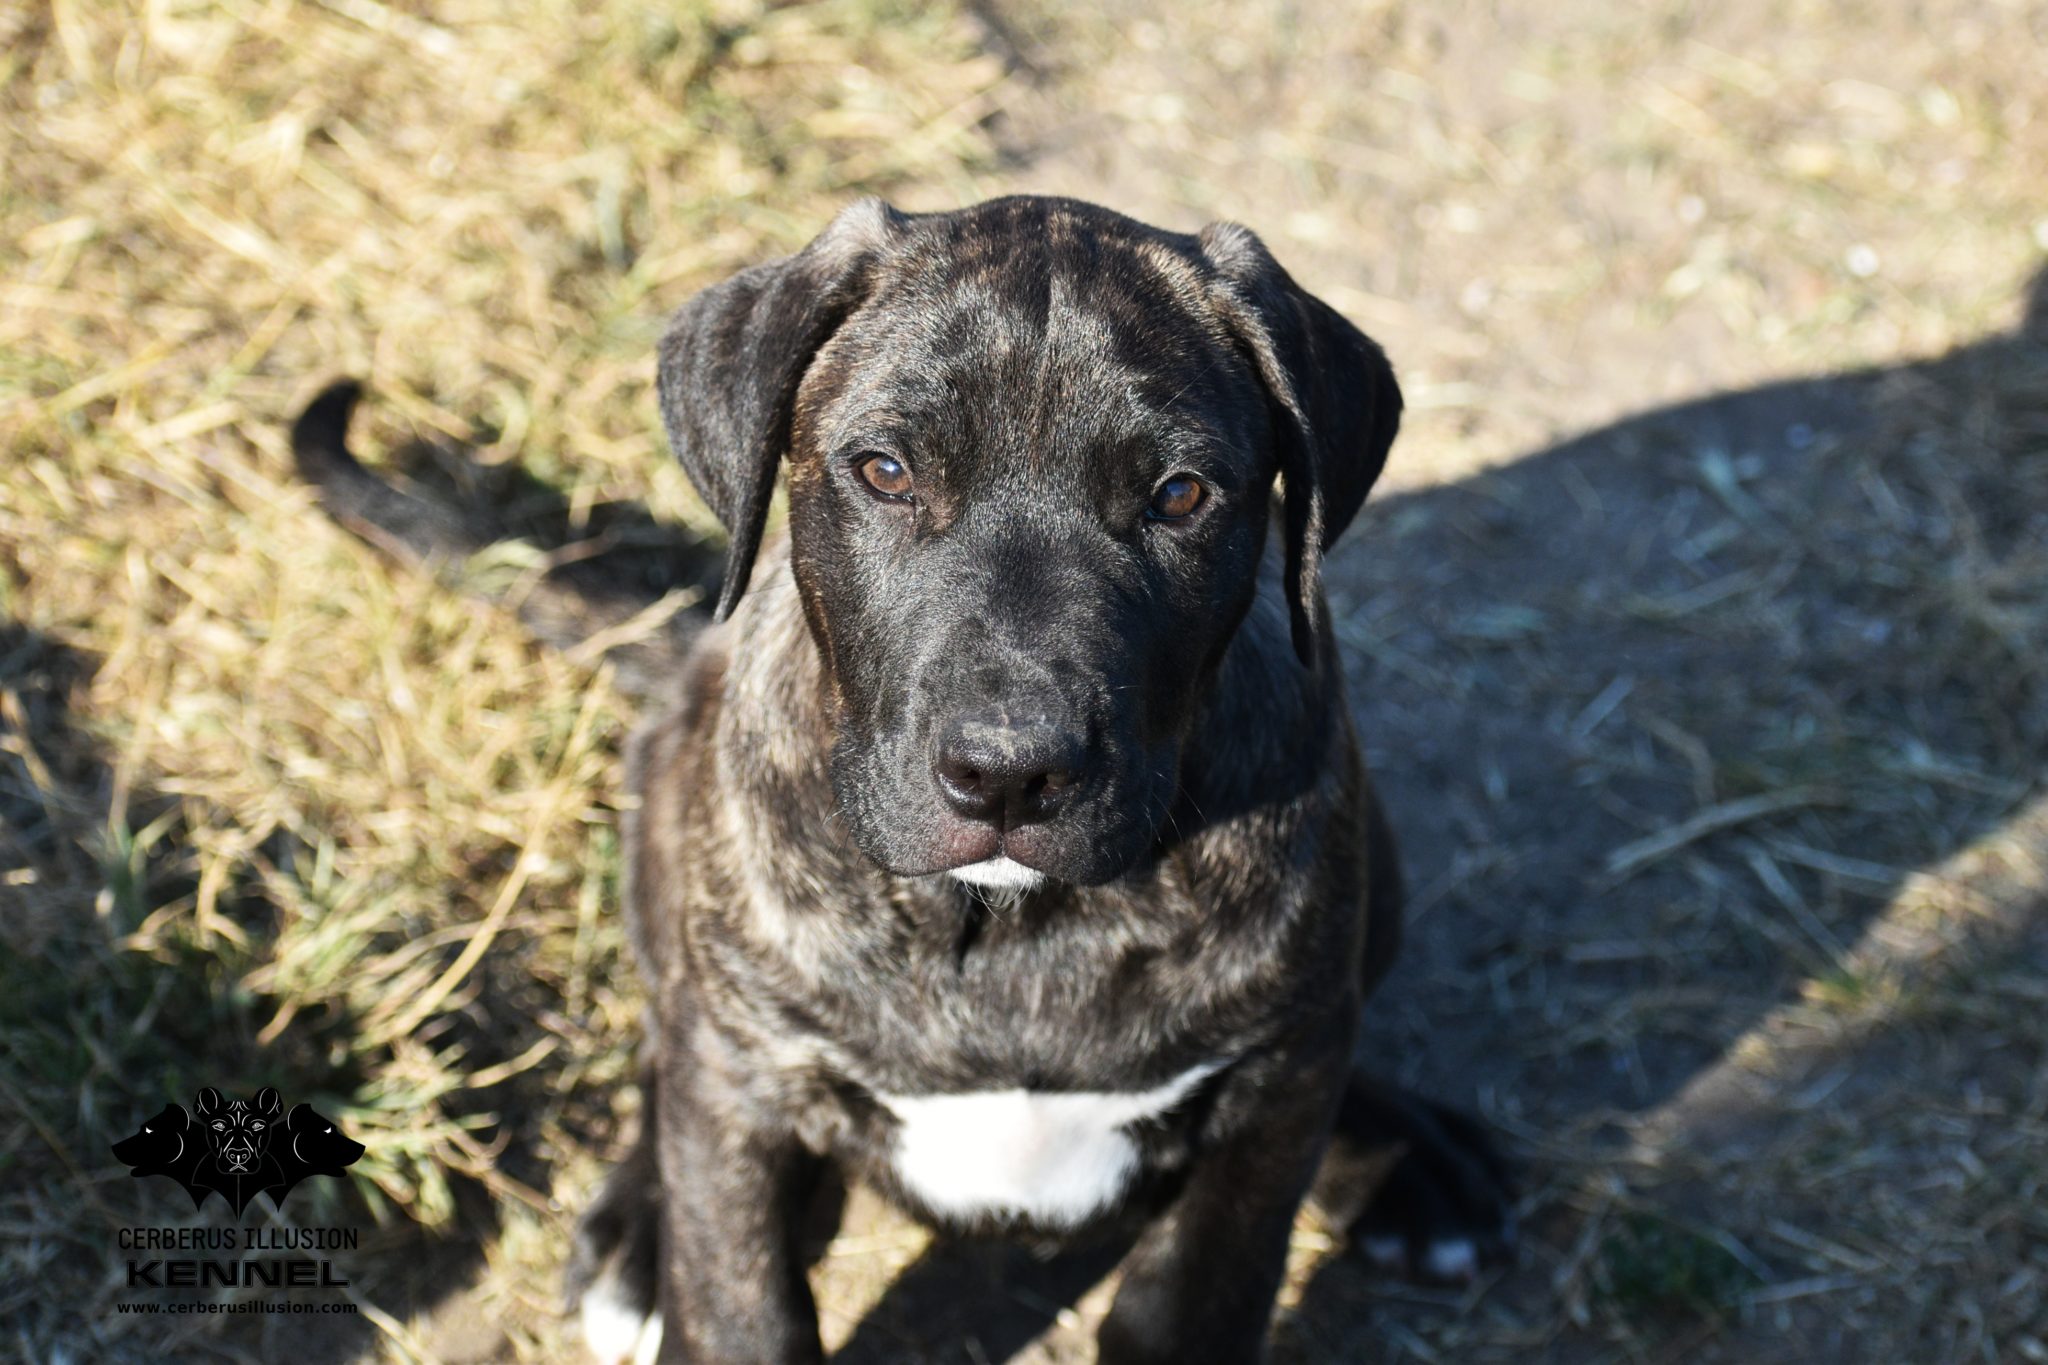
<point x="614" y="1268"/>
<point x="1420" y="1189"/>
<point x="616" y="1330"/>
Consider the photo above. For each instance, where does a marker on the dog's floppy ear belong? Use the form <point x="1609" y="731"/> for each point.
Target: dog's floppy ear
<point x="1335" y="403"/>
<point x="733" y="356"/>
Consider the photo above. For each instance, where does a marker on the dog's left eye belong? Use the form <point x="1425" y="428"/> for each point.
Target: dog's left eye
<point x="888" y="476"/>
<point x="257" y="1126"/>
<point x="1178" y="497"/>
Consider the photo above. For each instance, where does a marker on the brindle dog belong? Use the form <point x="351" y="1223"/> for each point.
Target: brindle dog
<point x="1008" y="845"/>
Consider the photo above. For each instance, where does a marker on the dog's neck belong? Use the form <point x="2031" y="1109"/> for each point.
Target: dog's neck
<point x="777" y="696"/>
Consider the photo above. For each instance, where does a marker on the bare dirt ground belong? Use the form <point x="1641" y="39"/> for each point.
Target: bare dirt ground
<point x="1692" y="795"/>
<point x="1697" y="630"/>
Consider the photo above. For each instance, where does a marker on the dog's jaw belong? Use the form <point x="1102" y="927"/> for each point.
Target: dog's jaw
<point x="998" y="874"/>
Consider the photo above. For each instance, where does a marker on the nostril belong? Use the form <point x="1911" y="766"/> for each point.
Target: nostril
<point x="1012" y="774"/>
<point x="966" y="786"/>
<point x="1044" y="790"/>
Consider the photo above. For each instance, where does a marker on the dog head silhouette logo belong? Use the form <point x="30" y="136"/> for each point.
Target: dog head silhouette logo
<point x="167" y="1144"/>
<point x="235" y="1148"/>
<point x="308" y="1143"/>
<point x="237" y="1134"/>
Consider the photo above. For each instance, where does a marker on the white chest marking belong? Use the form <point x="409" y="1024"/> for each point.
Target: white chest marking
<point x="1054" y="1156"/>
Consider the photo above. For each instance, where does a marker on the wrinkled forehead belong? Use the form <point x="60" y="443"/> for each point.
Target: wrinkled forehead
<point x="1059" y="339"/>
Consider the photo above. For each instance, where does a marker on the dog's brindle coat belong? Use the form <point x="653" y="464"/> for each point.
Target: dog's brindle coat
<point x="1000" y="658"/>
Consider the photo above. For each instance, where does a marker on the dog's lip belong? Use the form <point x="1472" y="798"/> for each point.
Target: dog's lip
<point x="971" y="846"/>
<point x="997" y="855"/>
<point x="962" y="843"/>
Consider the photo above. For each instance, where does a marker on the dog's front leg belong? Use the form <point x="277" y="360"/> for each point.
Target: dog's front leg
<point x="733" y="1194"/>
<point x="1198" y="1287"/>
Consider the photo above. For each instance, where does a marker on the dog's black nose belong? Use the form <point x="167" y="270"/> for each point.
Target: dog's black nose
<point x="1008" y="774"/>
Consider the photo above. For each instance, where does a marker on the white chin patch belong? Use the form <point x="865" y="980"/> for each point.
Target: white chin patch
<point x="1055" y="1157"/>
<point x="998" y="874"/>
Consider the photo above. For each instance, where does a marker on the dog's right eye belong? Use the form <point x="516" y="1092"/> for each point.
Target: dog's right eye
<point x="1177" y="498"/>
<point x="888" y="476"/>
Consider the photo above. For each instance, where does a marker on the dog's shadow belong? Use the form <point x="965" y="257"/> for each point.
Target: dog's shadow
<point x="1659" y="733"/>
<point x="1646" y="716"/>
<point x="1663" y="716"/>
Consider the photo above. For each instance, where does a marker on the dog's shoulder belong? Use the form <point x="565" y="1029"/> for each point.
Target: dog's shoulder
<point x="752" y="679"/>
<point x="728" y="769"/>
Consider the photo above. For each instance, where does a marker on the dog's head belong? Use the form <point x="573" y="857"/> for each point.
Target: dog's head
<point x="315" y="1144"/>
<point x="1032" y="446"/>
<point x="237" y="1132"/>
<point x="164" y="1141"/>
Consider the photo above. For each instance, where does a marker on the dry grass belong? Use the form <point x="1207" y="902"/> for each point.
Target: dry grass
<point x="273" y="812"/>
<point x="1715" y="737"/>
